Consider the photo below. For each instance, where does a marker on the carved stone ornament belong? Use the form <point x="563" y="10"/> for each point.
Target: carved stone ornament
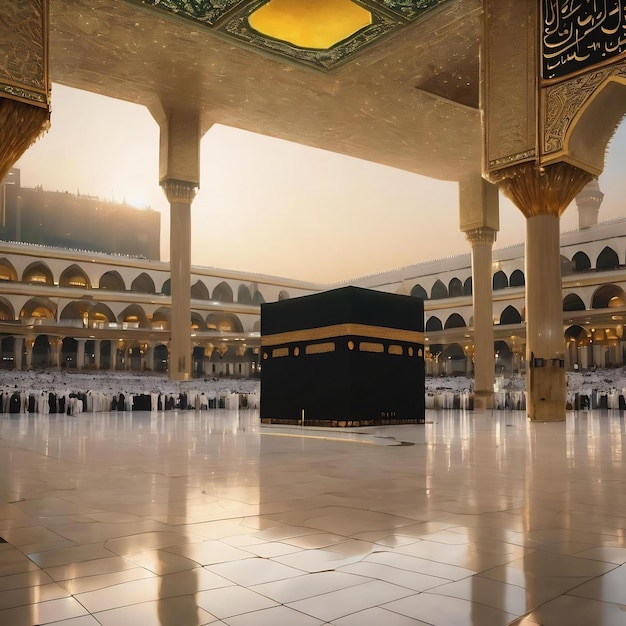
<point x="565" y="100"/>
<point x="179" y="191"/>
<point x="481" y="237"/>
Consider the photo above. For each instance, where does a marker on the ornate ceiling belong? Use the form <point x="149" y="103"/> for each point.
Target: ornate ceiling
<point x="234" y="19"/>
<point x="408" y="99"/>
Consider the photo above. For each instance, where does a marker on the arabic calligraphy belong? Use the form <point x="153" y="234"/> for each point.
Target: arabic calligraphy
<point x="578" y="34"/>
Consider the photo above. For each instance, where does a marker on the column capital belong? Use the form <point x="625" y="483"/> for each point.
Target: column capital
<point x="481" y="236"/>
<point x="179" y="191"/>
<point x="545" y="190"/>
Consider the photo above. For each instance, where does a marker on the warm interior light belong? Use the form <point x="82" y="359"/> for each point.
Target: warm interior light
<point x="318" y="25"/>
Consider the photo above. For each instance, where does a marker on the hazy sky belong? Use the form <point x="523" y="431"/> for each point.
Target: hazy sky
<point x="270" y="206"/>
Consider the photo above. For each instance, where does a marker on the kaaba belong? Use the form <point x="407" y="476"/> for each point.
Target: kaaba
<point x="344" y="357"/>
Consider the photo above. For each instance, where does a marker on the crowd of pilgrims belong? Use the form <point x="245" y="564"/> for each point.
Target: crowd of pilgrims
<point x="45" y="392"/>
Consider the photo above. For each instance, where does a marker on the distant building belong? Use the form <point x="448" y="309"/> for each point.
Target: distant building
<point x="66" y="220"/>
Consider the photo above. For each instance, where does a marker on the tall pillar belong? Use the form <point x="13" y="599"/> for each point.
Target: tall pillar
<point x="149" y="357"/>
<point x="479" y="220"/>
<point x="542" y="194"/>
<point x="180" y="195"/>
<point x="80" y="353"/>
<point x="179" y="175"/>
<point x="96" y="353"/>
<point x="30" y="344"/>
<point x="18" y="350"/>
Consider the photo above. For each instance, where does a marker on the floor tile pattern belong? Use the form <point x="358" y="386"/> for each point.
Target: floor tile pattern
<point x="191" y="518"/>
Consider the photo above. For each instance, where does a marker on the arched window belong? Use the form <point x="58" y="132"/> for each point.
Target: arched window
<point x="134" y="315"/>
<point x="500" y="281"/>
<point x="143" y="284"/>
<point x="112" y="281"/>
<point x="517" y="279"/>
<point x="243" y="295"/>
<point x="37" y="274"/>
<point x="258" y="298"/>
<point x="510" y="315"/>
<point x="199" y="291"/>
<point x="39" y="308"/>
<point x="419" y="292"/>
<point x="224" y="322"/>
<point x="573" y="302"/>
<point x="433" y="323"/>
<point x="7" y="271"/>
<point x="73" y="276"/>
<point x="6" y="310"/>
<point x="166" y="289"/>
<point x="455" y="321"/>
<point x="581" y="262"/>
<point x="607" y="260"/>
<point x="223" y="293"/>
<point x="455" y="288"/>
<point x="439" y="291"/>
<point x="608" y="296"/>
<point x="467" y="287"/>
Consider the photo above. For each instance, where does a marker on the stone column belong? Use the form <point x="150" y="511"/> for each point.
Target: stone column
<point x="80" y="354"/>
<point x="179" y="175"/>
<point x="148" y="357"/>
<point x="481" y="241"/>
<point x="480" y="221"/>
<point x="30" y="344"/>
<point x="180" y="195"/>
<point x="542" y="194"/>
<point x="96" y="353"/>
<point x="18" y="350"/>
<point x="56" y="346"/>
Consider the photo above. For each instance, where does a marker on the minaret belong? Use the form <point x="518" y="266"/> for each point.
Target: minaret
<point x="588" y="202"/>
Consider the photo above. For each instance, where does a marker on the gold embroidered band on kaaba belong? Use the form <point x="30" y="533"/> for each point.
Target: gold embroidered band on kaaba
<point x="343" y="330"/>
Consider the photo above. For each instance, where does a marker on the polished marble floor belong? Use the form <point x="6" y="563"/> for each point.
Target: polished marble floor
<point x="190" y="518"/>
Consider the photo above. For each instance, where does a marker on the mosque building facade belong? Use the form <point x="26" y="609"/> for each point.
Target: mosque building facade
<point x="83" y="309"/>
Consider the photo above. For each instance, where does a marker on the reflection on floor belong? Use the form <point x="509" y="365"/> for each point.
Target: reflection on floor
<point x="189" y="518"/>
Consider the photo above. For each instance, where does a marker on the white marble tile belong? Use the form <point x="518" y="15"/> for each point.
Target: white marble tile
<point x="330" y="606"/>
<point x="483" y="523"/>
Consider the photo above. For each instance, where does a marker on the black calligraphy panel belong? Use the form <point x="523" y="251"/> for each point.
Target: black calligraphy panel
<point x="579" y="34"/>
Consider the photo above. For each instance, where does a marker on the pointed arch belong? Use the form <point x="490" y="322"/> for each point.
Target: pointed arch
<point x="161" y="318"/>
<point x="455" y="321"/>
<point x="7" y="271"/>
<point x="223" y="292"/>
<point x="143" y="284"/>
<point x="112" y="281"/>
<point x="517" y="279"/>
<point x="419" y="292"/>
<point x="573" y="302"/>
<point x="258" y="298"/>
<point x="439" y="291"/>
<point x="224" y="322"/>
<point x="510" y="315"/>
<point x="38" y="273"/>
<point x="41" y="308"/>
<point x="433" y="323"/>
<point x="199" y="291"/>
<point x="166" y="287"/>
<point x="500" y="281"/>
<point x="608" y="297"/>
<point x="453" y="351"/>
<point x="576" y="332"/>
<point x="197" y="321"/>
<point x="243" y="295"/>
<point x="581" y="262"/>
<point x="101" y="314"/>
<point x="7" y="312"/>
<point x="607" y="260"/>
<point x="455" y="288"/>
<point x="468" y="287"/>
<point x="74" y="276"/>
<point x="134" y="314"/>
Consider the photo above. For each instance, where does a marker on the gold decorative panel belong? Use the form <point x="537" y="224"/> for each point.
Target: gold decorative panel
<point x="322" y="34"/>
